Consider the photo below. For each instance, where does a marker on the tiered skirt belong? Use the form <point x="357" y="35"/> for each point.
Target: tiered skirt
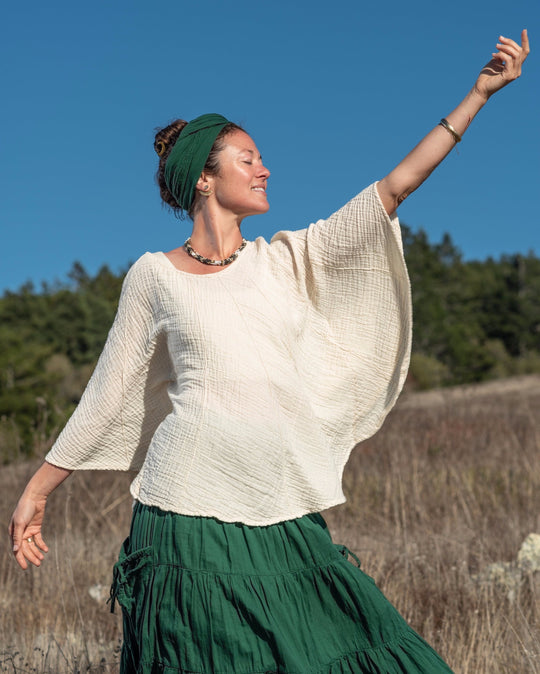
<point x="201" y="596"/>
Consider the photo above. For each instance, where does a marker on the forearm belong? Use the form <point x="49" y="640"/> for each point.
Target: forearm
<point x="411" y="172"/>
<point x="44" y="481"/>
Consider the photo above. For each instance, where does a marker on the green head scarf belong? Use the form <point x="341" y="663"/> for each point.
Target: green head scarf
<point x="189" y="154"/>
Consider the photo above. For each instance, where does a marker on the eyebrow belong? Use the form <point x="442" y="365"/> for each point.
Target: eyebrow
<point x="251" y="152"/>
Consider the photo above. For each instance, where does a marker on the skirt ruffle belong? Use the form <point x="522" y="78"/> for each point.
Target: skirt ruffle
<point x="200" y="596"/>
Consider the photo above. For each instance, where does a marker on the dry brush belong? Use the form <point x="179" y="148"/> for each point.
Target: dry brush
<point x="449" y="485"/>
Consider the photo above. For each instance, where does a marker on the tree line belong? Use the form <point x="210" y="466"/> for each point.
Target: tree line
<point x="473" y="321"/>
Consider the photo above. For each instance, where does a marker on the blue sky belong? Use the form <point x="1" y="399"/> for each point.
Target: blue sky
<point x="334" y="94"/>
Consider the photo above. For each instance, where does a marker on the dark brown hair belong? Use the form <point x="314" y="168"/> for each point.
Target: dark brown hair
<point x="164" y="143"/>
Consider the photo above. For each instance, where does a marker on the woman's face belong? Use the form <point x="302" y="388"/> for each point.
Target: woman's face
<point x="240" y="185"/>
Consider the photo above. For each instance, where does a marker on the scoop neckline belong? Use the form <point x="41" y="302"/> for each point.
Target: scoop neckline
<point x="161" y="256"/>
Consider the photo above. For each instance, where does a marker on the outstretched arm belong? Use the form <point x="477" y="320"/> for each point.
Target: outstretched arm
<point x="25" y="525"/>
<point x="410" y="173"/>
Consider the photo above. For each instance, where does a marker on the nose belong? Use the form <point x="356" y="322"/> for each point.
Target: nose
<point x="264" y="172"/>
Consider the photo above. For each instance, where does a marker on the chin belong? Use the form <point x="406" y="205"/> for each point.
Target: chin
<point x="263" y="208"/>
<point x="258" y="210"/>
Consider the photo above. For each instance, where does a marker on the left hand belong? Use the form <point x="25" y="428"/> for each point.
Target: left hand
<point x="25" y="531"/>
<point x="504" y="67"/>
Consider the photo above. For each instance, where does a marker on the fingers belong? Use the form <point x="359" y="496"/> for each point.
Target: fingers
<point x="525" y="42"/>
<point x="511" y="56"/>
<point x="27" y="546"/>
<point x="29" y="552"/>
<point x="21" y="560"/>
<point x="40" y="542"/>
<point x="32" y="552"/>
<point x="509" y="47"/>
<point x="15" y="533"/>
<point x="508" y="51"/>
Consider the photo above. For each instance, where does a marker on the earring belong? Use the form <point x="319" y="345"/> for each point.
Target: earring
<point x="206" y="191"/>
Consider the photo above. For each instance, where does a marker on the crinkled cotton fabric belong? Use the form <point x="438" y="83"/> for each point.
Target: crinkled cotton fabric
<point x="240" y="394"/>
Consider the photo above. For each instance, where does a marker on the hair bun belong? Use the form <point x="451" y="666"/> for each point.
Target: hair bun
<point x="160" y="146"/>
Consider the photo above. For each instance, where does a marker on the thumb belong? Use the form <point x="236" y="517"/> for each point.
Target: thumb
<point x="16" y="535"/>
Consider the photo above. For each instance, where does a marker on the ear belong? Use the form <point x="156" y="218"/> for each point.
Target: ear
<point x="205" y="182"/>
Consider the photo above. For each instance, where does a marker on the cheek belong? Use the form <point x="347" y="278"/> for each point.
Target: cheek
<point x="238" y="183"/>
<point x="230" y="193"/>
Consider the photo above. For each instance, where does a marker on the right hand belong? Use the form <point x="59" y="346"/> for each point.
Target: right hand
<point x="25" y="531"/>
<point x="504" y="67"/>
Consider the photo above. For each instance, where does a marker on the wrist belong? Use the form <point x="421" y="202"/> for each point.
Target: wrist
<point x="34" y="493"/>
<point x="479" y="97"/>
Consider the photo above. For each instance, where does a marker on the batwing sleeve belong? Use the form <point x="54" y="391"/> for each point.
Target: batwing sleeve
<point x="126" y="397"/>
<point x="349" y="273"/>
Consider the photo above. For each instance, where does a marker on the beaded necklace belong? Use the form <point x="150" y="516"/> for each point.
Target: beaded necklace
<point x="215" y="263"/>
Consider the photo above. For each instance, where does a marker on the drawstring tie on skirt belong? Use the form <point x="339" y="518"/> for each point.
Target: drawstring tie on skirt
<point x="344" y="550"/>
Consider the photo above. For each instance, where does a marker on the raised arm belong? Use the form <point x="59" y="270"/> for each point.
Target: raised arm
<point x="410" y="173"/>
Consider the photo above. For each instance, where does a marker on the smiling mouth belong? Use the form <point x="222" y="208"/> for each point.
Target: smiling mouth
<point x="259" y="189"/>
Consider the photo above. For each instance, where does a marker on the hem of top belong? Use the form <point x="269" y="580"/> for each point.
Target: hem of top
<point x="66" y="465"/>
<point x="246" y="520"/>
<point x="164" y="261"/>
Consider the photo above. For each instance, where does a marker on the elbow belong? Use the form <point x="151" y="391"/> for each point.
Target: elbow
<point x="385" y="195"/>
<point x="400" y="198"/>
<point x="391" y="197"/>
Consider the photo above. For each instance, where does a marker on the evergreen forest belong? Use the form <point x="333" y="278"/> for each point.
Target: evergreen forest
<point x="473" y="321"/>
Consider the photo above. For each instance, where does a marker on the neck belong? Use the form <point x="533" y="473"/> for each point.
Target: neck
<point x="215" y="235"/>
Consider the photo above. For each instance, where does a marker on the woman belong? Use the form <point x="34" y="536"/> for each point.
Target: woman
<point x="236" y="379"/>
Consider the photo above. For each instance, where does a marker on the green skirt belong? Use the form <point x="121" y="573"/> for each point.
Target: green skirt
<point x="201" y="596"/>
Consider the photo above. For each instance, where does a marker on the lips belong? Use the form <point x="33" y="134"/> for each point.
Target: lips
<point x="258" y="189"/>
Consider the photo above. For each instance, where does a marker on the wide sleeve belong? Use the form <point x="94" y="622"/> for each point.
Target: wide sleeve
<point x="126" y="397"/>
<point x="349" y="274"/>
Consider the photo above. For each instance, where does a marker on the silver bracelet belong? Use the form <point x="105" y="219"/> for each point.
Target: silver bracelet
<point x="446" y="124"/>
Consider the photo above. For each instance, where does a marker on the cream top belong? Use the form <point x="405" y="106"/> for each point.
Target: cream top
<point x="240" y="394"/>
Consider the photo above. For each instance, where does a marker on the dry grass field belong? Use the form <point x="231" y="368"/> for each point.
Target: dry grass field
<point x="449" y="485"/>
